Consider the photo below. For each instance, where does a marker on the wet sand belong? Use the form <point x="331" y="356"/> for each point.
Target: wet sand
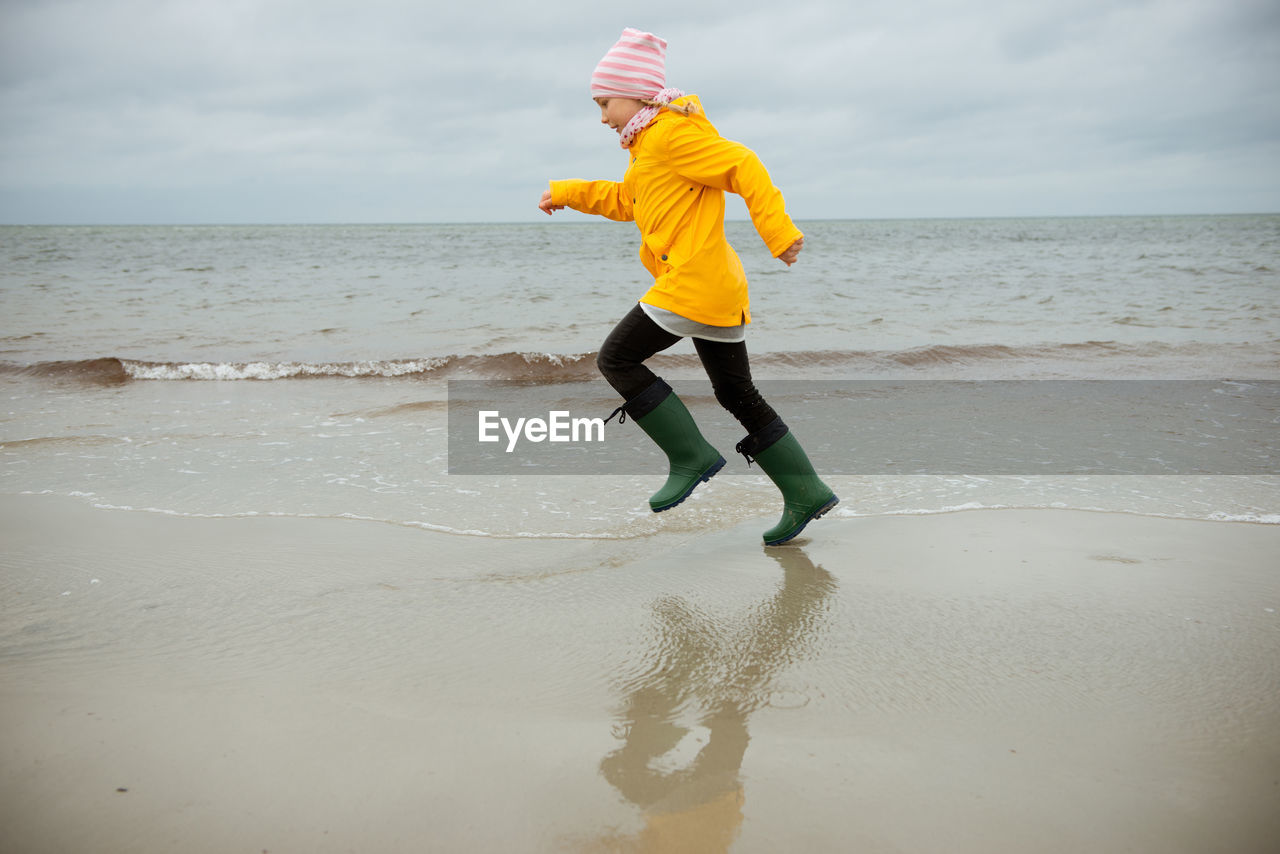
<point x="985" y="681"/>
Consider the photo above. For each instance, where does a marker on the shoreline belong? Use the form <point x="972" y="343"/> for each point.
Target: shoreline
<point x="841" y="511"/>
<point x="975" y="681"/>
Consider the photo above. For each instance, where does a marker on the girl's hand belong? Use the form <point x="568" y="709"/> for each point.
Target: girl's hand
<point x="546" y="206"/>
<point x="792" y="252"/>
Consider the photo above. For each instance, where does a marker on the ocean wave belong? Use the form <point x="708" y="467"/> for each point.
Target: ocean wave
<point x="969" y="354"/>
<point x="115" y="371"/>
<point x="73" y="441"/>
<point x="561" y="367"/>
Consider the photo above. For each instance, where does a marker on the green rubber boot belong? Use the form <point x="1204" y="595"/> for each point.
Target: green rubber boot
<point x="804" y="496"/>
<point x="663" y="417"/>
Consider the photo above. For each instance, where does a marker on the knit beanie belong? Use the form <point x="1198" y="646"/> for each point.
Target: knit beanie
<point x="634" y="68"/>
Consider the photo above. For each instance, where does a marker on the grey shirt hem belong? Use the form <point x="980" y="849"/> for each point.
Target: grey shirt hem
<point x="671" y="322"/>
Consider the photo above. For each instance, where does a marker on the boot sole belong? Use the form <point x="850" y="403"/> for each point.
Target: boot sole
<point x="816" y="514"/>
<point x="703" y="478"/>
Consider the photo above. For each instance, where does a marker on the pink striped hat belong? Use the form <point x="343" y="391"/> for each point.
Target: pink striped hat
<point x="635" y="67"/>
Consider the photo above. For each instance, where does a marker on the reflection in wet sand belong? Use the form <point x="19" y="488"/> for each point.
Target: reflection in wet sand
<point x="684" y="720"/>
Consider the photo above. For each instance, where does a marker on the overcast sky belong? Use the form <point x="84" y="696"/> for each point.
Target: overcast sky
<point x="191" y="111"/>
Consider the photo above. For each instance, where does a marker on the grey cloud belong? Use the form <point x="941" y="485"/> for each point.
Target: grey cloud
<point x="386" y="110"/>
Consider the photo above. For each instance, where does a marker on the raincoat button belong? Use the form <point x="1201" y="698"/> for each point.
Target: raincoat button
<point x="664" y="257"/>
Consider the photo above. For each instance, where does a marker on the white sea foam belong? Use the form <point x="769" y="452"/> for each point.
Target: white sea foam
<point x="278" y="370"/>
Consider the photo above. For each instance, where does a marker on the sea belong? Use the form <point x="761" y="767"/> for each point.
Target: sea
<point x="1115" y="364"/>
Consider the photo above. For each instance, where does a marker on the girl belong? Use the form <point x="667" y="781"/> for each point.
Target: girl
<point x="673" y="190"/>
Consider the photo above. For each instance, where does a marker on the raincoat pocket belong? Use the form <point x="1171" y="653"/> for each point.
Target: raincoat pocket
<point x="659" y="259"/>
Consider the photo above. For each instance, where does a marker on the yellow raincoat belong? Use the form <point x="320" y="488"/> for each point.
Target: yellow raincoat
<point x="674" y="191"/>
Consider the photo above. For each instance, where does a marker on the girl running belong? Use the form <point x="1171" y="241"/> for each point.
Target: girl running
<point x="680" y="168"/>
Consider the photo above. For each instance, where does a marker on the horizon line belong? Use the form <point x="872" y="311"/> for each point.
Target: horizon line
<point x="385" y="223"/>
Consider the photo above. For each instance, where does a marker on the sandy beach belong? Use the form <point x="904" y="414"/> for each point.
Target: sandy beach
<point x="986" y="681"/>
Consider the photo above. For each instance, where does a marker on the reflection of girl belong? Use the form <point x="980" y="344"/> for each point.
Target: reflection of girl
<point x="721" y="677"/>
<point x="674" y="189"/>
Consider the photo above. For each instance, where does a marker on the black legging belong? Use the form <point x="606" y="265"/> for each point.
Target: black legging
<point x="637" y="337"/>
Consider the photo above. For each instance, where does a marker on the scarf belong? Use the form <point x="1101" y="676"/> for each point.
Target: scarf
<point x="641" y="120"/>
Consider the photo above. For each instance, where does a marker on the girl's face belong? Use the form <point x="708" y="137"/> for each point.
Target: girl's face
<point x="616" y="112"/>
